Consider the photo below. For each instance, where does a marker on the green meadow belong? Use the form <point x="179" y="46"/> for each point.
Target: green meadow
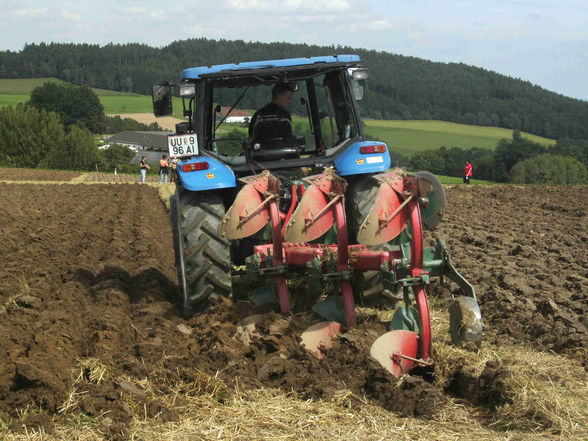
<point x="24" y="87"/>
<point x="16" y="91"/>
<point x="407" y="137"/>
<point x="402" y="136"/>
<point x="132" y="103"/>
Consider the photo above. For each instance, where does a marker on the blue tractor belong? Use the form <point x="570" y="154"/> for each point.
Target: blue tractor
<point x="305" y="195"/>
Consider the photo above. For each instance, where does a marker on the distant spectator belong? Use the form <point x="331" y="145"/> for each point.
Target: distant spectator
<point x="163" y="169"/>
<point x="144" y="167"/>
<point x="467" y="173"/>
<point x="174" y="170"/>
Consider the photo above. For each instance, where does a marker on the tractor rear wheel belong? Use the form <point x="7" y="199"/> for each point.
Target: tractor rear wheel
<point x="203" y="258"/>
<point x="361" y="198"/>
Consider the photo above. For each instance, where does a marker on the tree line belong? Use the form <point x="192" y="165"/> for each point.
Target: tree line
<point x="517" y="160"/>
<point x="399" y="87"/>
<point x="57" y="129"/>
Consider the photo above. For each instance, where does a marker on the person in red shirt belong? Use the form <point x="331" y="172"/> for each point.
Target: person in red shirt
<point x="467" y="173"/>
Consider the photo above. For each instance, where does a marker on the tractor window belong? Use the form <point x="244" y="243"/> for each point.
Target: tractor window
<point x="322" y="99"/>
<point x="232" y="109"/>
<point x="334" y="109"/>
<point x="231" y="130"/>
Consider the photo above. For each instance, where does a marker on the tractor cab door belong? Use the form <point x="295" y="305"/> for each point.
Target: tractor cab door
<point x="333" y="110"/>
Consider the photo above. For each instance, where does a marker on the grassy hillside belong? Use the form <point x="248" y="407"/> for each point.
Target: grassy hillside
<point x="399" y="87"/>
<point x="25" y="87"/>
<point x="16" y="91"/>
<point x="402" y="136"/>
<point x="133" y="103"/>
<point x="407" y="137"/>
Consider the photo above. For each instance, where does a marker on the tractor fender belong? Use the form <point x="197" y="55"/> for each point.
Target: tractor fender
<point x="214" y="176"/>
<point x="353" y="162"/>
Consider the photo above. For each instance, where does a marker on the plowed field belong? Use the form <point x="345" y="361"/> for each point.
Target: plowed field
<point x="92" y="345"/>
<point x="23" y="174"/>
<point x="526" y="251"/>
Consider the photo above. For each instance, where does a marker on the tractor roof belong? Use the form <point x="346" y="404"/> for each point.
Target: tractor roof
<point x="268" y="66"/>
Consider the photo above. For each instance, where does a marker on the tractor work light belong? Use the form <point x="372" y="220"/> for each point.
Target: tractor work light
<point x="381" y="148"/>
<point x="187" y="91"/>
<point x="195" y="166"/>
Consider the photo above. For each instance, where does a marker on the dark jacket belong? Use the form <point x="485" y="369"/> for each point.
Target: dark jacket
<point x="272" y="110"/>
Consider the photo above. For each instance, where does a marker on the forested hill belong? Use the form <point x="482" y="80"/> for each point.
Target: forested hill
<point x="399" y="87"/>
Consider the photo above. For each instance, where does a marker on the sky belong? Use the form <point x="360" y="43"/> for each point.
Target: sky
<point x="541" y="41"/>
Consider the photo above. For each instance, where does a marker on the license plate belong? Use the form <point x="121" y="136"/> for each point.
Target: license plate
<point x="182" y="145"/>
<point x="374" y="159"/>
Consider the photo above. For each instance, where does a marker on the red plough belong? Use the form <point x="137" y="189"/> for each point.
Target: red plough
<point x="396" y="213"/>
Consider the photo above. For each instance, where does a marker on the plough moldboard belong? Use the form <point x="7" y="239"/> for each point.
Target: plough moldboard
<point x="404" y="202"/>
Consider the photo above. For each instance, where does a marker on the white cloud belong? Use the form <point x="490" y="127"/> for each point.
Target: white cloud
<point x="31" y="12"/>
<point x="380" y="25"/>
<point x="71" y="16"/>
<point x="289" y="6"/>
<point x="138" y="12"/>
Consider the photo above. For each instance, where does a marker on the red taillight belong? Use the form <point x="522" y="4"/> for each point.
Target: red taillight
<point x="381" y="148"/>
<point x="195" y="166"/>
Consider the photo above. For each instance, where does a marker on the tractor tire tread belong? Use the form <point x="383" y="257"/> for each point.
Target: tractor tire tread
<point x="206" y="256"/>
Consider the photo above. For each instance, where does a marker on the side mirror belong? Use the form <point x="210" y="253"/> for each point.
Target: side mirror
<point x="357" y="74"/>
<point x="357" y="89"/>
<point x="162" y="99"/>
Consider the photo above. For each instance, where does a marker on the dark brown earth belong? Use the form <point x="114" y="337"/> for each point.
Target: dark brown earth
<point x="23" y="174"/>
<point x="525" y="249"/>
<point x="88" y="273"/>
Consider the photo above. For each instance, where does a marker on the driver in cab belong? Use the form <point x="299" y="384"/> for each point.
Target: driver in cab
<point x="273" y="122"/>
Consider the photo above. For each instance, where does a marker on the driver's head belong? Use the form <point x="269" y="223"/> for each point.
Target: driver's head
<point x="282" y="95"/>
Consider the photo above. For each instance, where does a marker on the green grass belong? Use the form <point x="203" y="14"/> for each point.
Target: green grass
<point x="132" y="103"/>
<point x="15" y="91"/>
<point x="12" y="100"/>
<point x="450" y="180"/>
<point x="408" y="137"/>
<point x="24" y="86"/>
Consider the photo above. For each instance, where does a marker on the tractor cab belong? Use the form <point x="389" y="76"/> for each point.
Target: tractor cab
<point x="221" y="103"/>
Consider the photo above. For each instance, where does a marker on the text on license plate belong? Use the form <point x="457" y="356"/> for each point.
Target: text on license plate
<point x="182" y="145"/>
